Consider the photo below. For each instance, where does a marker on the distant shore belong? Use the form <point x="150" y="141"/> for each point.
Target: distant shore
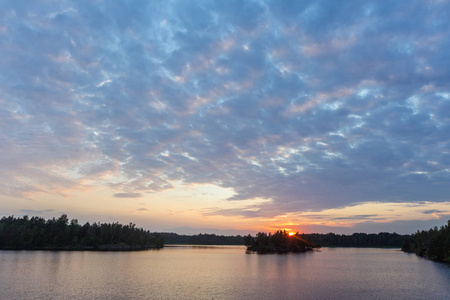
<point x="60" y="234"/>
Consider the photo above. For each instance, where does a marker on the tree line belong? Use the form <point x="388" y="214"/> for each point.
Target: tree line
<point x="382" y="239"/>
<point x="201" y="239"/>
<point x="379" y="240"/>
<point x="433" y="244"/>
<point x="60" y="233"/>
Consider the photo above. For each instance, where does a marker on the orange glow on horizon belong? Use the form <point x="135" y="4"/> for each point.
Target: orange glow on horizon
<point x="291" y="233"/>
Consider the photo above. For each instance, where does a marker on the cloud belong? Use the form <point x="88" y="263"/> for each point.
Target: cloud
<point x="36" y="212"/>
<point x="360" y="217"/>
<point x="312" y="105"/>
<point x="401" y="227"/>
<point x="127" y="195"/>
<point x="433" y="211"/>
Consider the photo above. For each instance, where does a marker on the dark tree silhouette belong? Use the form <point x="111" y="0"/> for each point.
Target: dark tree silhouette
<point x="60" y="234"/>
<point x="201" y="239"/>
<point x="433" y="244"/>
<point x="382" y="239"/>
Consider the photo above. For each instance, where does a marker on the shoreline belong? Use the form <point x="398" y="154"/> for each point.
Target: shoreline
<point x="100" y="248"/>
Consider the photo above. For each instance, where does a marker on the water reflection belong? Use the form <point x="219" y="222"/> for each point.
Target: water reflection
<point x="221" y="273"/>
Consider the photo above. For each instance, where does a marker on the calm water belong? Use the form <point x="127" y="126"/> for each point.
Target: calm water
<point x="221" y="273"/>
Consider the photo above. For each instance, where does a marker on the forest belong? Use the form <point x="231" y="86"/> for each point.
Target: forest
<point x="36" y="233"/>
<point x="433" y="244"/>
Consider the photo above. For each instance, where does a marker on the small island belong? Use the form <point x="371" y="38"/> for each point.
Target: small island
<point x="36" y="233"/>
<point x="280" y="242"/>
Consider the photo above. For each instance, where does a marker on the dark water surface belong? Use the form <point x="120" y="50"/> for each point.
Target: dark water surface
<point x="221" y="273"/>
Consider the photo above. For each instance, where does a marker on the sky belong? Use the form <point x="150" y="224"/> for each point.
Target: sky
<point x="227" y="117"/>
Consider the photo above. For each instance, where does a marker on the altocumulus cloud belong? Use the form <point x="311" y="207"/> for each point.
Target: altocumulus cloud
<point x="311" y="104"/>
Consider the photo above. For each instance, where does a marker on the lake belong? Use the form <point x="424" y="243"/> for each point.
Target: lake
<point x="223" y="272"/>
